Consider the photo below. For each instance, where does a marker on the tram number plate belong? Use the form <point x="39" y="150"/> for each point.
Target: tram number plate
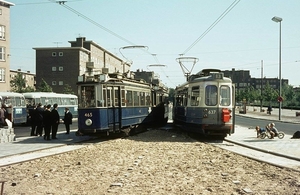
<point x="212" y="112"/>
<point x="88" y="114"/>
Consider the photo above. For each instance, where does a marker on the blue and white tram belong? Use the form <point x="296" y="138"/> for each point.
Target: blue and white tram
<point x="14" y="104"/>
<point x="45" y="98"/>
<point x="112" y="103"/>
<point x="205" y="104"/>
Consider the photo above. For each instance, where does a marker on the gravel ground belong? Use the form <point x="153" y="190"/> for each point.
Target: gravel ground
<point x="154" y="162"/>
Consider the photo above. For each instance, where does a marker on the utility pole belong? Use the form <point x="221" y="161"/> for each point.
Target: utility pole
<point x="261" y="85"/>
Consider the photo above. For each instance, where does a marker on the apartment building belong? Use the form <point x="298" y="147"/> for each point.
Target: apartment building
<point x="242" y="79"/>
<point x="5" y="45"/>
<point x="26" y="75"/>
<point x="61" y="66"/>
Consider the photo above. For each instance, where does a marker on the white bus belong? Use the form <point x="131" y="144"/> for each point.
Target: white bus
<point x="62" y="100"/>
<point x="14" y="104"/>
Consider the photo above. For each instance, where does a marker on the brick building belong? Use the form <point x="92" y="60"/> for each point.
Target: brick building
<point x="5" y="45"/>
<point x="60" y="66"/>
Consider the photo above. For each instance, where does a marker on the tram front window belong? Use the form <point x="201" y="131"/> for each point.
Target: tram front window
<point x="211" y="95"/>
<point x="225" y="96"/>
<point x="87" y="97"/>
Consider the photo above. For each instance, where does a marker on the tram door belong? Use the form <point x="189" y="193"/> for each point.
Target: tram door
<point x="114" y="107"/>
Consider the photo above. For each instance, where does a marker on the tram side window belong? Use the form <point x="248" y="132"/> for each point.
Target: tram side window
<point x="136" y="98"/>
<point x="225" y="96"/>
<point x="211" y="95"/>
<point x="109" y="98"/>
<point x="148" y="99"/>
<point x="129" y="98"/>
<point x="181" y="100"/>
<point x="103" y="102"/>
<point x="142" y="98"/>
<point x="178" y="101"/>
<point x="195" y="96"/>
<point x="123" y="97"/>
<point x="116" y="97"/>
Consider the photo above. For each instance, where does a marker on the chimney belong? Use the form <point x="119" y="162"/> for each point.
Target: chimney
<point x="79" y="41"/>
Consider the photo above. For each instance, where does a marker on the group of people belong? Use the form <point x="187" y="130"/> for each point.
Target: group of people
<point x="47" y="119"/>
<point x="270" y="127"/>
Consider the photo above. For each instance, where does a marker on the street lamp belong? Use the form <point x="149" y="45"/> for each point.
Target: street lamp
<point x="278" y="19"/>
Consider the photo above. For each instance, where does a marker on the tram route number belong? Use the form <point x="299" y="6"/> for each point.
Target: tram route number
<point x="212" y="111"/>
<point x="88" y="114"/>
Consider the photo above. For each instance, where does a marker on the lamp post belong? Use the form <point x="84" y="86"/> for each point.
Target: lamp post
<point x="278" y="19"/>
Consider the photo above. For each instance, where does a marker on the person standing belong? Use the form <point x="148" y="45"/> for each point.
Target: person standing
<point x="2" y="116"/>
<point x="68" y="119"/>
<point x="55" y="121"/>
<point x="33" y="121"/>
<point x="39" y="119"/>
<point x="47" y="122"/>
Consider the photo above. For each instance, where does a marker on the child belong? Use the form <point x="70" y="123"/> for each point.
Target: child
<point x="259" y="131"/>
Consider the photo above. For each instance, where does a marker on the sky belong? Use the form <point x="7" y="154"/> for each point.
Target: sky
<point x="221" y="34"/>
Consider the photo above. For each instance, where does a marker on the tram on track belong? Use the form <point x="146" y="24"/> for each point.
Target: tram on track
<point x="205" y="104"/>
<point x="114" y="102"/>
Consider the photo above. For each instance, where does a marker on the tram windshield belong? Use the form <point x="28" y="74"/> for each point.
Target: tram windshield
<point x="211" y="95"/>
<point x="87" y="97"/>
<point x="225" y="95"/>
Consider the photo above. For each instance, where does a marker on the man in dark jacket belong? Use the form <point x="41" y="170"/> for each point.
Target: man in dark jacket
<point x="33" y="120"/>
<point x="47" y="122"/>
<point x="68" y="119"/>
<point x="39" y="119"/>
<point x="55" y="121"/>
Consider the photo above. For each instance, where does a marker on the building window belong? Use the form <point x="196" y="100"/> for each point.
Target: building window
<point x="53" y="54"/>
<point x="2" y="74"/>
<point x="2" y="53"/>
<point x="61" y="68"/>
<point x="61" y="53"/>
<point x="0" y="11"/>
<point x="53" y="82"/>
<point x="53" y="68"/>
<point x="60" y="83"/>
<point x="2" y="32"/>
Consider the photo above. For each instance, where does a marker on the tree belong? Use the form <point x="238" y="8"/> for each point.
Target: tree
<point x="18" y="84"/>
<point x="171" y="94"/>
<point x="44" y="87"/>
<point x="270" y="94"/>
<point x="68" y="89"/>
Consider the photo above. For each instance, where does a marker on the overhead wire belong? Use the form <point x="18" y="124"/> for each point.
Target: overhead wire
<point x="212" y="25"/>
<point x="62" y="3"/>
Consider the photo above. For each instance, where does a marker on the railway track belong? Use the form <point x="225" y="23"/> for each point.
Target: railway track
<point x="249" y="152"/>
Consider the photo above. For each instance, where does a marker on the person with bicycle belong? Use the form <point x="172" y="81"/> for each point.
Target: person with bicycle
<point x="259" y="131"/>
<point x="273" y="130"/>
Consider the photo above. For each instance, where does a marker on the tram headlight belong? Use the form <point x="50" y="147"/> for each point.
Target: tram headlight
<point x="88" y="122"/>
